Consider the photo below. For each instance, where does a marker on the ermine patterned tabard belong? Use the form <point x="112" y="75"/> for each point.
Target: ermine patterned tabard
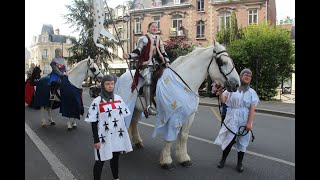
<point x="112" y="131"/>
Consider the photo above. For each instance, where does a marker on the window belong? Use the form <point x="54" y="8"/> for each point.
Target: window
<point x="157" y="20"/>
<point x="137" y="28"/>
<point x="176" y="21"/>
<point x="120" y="32"/>
<point x="45" y="54"/>
<point x="253" y="16"/>
<point x="44" y="39"/>
<point x="120" y="52"/>
<point x="120" y="12"/>
<point x="224" y="20"/>
<point x="200" y="29"/>
<point x="200" y="5"/>
<point x="157" y="3"/>
<point x="176" y="1"/>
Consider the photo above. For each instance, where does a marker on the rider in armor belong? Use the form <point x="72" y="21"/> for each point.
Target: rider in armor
<point x="59" y="69"/>
<point x="150" y="52"/>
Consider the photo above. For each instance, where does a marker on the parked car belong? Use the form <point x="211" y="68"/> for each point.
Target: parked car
<point x="94" y="90"/>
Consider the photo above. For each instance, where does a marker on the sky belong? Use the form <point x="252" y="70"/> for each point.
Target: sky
<point x="39" y="12"/>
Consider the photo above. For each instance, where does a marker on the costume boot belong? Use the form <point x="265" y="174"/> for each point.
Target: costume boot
<point x="52" y="92"/>
<point x="226" y="153"/>
<point x="151" y="110"/>
<point x="239" y="164"/>
<point x="224" y="157"/>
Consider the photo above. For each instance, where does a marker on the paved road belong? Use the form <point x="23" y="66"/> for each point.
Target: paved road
<point x="270" y="156"/>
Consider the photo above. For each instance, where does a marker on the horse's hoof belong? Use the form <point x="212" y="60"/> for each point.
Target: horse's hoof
<point x="169" y="167"/>
<point x="186" y="164"/>
<point x="139" y="145"/>
<point x="74" y="125"/>
<point x="52" y="123"/>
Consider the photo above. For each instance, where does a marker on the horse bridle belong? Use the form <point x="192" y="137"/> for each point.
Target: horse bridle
<point x="93" y="69"/>
<point x="219" y="62"/>
<point x="242" y="129"/>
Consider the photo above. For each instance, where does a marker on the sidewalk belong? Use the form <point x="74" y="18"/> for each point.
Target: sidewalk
<point x="284" y="107"/>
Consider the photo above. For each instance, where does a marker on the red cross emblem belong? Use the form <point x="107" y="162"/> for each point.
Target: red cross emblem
<point x="113" y="106"/>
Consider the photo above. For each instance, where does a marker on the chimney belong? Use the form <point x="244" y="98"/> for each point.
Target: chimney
<point x="57" y="31"/>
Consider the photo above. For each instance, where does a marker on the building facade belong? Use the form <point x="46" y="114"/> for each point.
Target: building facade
<point x="197" y="20"/>
<point x="43" y="47"/>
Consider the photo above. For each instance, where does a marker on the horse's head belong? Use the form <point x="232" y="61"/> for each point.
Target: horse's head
<point x="94" y="70"/>
<point x="222" y="70"/>
<point x="36" y="73"/>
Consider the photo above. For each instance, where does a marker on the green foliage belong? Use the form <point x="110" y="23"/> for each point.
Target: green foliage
<point x="268" y="52"/>
<point x="230" y="32"/>
<point x="80" y="16"/>
<point x="176" y="47"/>
<point x="289" y="20"/>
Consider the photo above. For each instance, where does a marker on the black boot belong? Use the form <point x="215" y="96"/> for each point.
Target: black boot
<point x="225" y="153"/>
<point x="239" y="164"/>
<point x="51" y="93"/>
<point x="221" y="163"/>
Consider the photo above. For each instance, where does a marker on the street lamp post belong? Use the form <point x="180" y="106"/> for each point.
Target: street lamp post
<point x="62" y="49"/>
<point x="126" y="18"/>
<point x="139" y="17"/>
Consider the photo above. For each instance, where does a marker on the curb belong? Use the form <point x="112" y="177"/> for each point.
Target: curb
<point x="265" y="111"/>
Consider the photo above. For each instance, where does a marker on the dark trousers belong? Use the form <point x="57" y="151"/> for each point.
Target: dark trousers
<point x="228" y="148"/>
<point x="114" y="165"/>
<point x="54" y="86"/>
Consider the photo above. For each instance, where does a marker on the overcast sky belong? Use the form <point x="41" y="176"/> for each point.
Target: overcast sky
<point x="39" y="12"/>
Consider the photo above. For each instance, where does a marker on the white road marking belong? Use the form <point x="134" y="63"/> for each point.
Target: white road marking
<point x="61" y="171"/>
<point x="211" y="142"/>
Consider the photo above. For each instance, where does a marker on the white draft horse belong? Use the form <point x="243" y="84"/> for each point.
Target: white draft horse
<point x="81" y="71"/>
<point x="193" y="69"/>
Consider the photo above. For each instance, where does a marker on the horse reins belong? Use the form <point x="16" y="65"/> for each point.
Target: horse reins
<point x="219" y="64"/>
<point x="240" y="133"/>
<point x="183" y="81"/>
<point x="93" y="70"/>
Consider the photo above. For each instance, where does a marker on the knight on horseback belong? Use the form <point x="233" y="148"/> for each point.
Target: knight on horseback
<point x="59" y="69"/>
<point x="151" y="56"/>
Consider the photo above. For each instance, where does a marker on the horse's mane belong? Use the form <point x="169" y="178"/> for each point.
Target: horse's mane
<point x="195" y="52"/>
<point x="77" y="64"/>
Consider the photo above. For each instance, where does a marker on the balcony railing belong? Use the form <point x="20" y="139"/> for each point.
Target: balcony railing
<point x="173" y="32"/>
<point x="222" y="1"/>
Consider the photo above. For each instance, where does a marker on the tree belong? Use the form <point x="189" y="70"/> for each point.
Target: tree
<point x="288" y="20"/>
<point x="230" y="31"/>
<point x="222" y="36"/>
<point x="234" y="30"/>
<point x="176" y="47"/>
<point x="80" y="16"/>
<point x="268" y="51"/>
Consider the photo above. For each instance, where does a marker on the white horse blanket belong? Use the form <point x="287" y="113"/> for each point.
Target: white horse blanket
<point x="175" y="102"/>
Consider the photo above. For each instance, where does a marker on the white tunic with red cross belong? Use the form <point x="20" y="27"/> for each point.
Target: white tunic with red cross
<point x="112" y="131"/>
